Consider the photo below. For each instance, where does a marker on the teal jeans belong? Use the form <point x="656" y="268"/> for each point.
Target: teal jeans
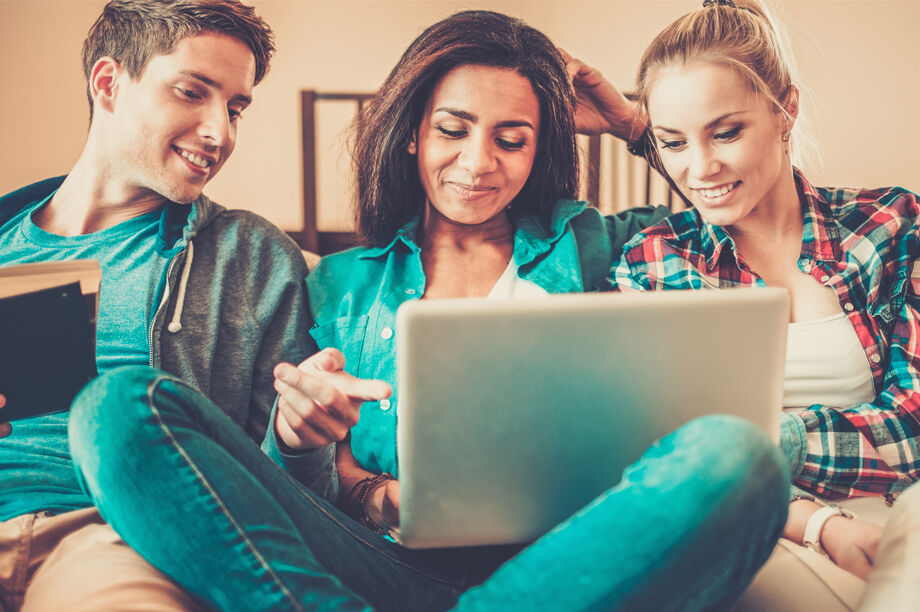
<point x="685" y="529"/>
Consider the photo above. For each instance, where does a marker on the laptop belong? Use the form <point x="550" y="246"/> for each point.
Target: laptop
<point x="514" y="414"/>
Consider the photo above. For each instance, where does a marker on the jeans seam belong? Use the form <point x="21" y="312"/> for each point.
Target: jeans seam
<point x="458" y="586"/>
<point x="151" y="389"/>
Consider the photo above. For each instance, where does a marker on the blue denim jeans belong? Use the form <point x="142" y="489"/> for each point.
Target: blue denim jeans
<point x="685" y="529"/>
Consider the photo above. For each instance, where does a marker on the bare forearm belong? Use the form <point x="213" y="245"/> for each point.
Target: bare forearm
<point x="799" y="513"/>
<point x="849" y="542"/>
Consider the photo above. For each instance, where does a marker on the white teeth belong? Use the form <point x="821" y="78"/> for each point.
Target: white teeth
<point x="715" y="193"/>
<point x="201" y="163"/>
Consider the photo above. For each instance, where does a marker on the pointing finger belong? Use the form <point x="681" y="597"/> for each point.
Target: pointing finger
<point x="326" y="360"/>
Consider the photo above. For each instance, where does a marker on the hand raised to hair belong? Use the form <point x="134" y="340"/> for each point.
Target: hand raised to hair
<point x="318" y="402"/>
<point x="600" y="107"/>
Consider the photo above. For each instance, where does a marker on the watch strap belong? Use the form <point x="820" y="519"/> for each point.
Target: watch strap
<point x="815" y="526"/>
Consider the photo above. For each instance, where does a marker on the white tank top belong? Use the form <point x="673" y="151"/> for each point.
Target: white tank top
<point x="510" y="286"/>
<point x="826" y="364"/>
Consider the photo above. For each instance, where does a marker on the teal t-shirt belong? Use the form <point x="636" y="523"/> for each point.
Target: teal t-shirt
<point x="35" y="463"/>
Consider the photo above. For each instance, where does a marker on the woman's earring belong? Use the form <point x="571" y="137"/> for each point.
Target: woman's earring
<point x="785" y="137"/>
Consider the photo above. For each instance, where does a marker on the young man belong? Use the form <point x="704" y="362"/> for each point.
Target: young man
<point x="212" y="296"/>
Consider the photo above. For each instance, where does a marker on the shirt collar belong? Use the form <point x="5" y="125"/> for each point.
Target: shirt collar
<point x="820" y="235"/>
<point x="820" y="238"/>
<point x="531" y="236"/>
<point x="407" y="235"/>
<point x="714" y="240"/>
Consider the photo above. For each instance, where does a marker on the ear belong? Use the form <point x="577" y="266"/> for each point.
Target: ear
<point x="791" y="106"/>
<point x="412" y="148"/>
<point x="103" y="82"/>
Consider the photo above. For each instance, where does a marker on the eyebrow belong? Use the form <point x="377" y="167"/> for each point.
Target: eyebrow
<point x="212" y="83"/>
<point x="708" y="126"/>
<point x="461" y="114"/>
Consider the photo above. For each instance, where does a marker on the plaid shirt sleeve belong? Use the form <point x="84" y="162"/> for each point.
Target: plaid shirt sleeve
<point x="624" y="277"/>
<point x="872" y="448"/>
<point x="668" y="255"/>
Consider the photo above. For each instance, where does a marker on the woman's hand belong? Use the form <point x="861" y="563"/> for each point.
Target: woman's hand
<point x="851" y="544"/>
<point x="382" y="504"/>
<point x="601" y="108"/>
<point x="318" y="402"/>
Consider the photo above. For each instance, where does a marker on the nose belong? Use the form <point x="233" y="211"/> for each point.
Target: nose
<point x="477" y="155"/>
<point x="704" y="163"/>
<point x="215" y="126"/>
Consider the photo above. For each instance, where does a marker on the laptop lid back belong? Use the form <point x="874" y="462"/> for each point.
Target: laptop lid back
<point x="514" y="414"/>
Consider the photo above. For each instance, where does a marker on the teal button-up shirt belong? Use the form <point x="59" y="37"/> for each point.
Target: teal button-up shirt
<point x="354" y="296"/>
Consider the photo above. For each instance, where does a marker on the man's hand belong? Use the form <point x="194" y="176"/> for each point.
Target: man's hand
<point x="318" y="401"/>
<point x="851" y="544"/>
<point x="601" y="108"/>
<point x="5" y="428"/>
<point x="383" y="504"/>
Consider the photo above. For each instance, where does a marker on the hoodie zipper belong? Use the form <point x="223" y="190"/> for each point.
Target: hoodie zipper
<point x="160" y="308"/>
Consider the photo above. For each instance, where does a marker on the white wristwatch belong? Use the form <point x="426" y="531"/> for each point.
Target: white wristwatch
<point x="815" y="525"/>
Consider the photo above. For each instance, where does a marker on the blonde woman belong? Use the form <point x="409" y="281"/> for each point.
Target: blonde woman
<point x="719" y="92"/>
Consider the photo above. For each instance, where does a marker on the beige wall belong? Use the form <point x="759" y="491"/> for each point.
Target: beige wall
<point x="857" y="59"/>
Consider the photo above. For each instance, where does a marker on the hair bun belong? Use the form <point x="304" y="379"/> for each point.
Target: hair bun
<point x="708" y="3"/>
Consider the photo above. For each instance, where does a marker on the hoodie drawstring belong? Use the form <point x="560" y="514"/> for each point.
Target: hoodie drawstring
<point x="176" y="323"/>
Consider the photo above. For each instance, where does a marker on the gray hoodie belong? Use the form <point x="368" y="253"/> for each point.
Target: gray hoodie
<point x="231" y="305"/>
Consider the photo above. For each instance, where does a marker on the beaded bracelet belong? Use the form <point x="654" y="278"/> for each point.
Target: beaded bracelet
<point x="359" y="501"/>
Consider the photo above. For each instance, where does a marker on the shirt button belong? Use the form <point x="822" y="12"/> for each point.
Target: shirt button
<point x="410" y="291"/>
<point x="386" y="333"/>
<point x="806" y="267"/>
<point x="848" y="307"/>
<point x="825" y="278"/>
<point x="385" y="404"/>
<point x="875" y="358"/>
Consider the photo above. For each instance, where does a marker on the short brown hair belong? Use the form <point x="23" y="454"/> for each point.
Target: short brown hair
<point x="134" y="31"/>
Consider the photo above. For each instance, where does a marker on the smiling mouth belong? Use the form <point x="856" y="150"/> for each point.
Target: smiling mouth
<point x="193" y="159"/>
<point x="472" y="192"/>
<point x="716" y="192"/>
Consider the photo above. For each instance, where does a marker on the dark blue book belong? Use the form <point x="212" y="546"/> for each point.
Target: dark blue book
<point x="47" y="338"/>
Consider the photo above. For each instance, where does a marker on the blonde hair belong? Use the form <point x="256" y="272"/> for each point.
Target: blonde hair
<point x="742" y="35"/>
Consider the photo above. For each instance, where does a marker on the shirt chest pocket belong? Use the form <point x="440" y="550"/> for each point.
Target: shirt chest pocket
<point x="346" y="334"/>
